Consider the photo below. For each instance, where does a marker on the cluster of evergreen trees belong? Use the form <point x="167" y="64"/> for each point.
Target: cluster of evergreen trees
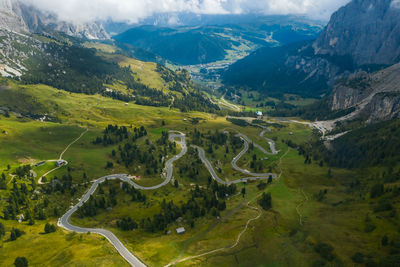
<point x="3" y="184"/>
<point x="2" y="230"/>
<point x="100" y="202"/>
<point x="114" y="135"/>
<point x="148" y="154"/>
<point x="376" y="144"/>
<point x="266" y="201"/>
<point x="192" y="167"/>
<point x="127" y="224"/>
<point x="195" y="101"/>
<point x="49" y="228"/>
<point x="256" y="164"/>
<point x="17" y="200"/>
<point x="201" y="203"/>
<point x="215" y="138"/>
<point x="62" y="185"/>
<point x="108" y="199"/>
<point x="23" y="171"/>
<point x="15" y="234"/>
<point x="238" y="122"/>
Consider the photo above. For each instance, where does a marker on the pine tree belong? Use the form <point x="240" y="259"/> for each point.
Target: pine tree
<point x="2" y="230"/>
<point x="21" y="262"/>
<point x="266" y="201"/>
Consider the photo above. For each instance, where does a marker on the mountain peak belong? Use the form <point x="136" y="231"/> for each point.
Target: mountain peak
<point x="11" y="16"/>
<point x="366" y="30"/>
<point x="19" y="17"/>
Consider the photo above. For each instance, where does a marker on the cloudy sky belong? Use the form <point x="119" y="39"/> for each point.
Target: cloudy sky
<point x="134" y="10"/>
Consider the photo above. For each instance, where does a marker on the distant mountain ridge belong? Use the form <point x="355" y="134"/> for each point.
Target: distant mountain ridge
<point x="184" y="46"/>
<point x="366" y="30"/>
<point x="177" y="19"/>
<point x="206" y="43"/>
<point x="19" y="17"/>
<point x="363" y="35"/>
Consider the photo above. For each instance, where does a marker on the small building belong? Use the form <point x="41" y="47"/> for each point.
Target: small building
<point x="259" y="113"/>
<point x="40" y="163"/>
<point x="61" y="162"/>
<point x="180" y="230"/>
<point x="20" y="218"/>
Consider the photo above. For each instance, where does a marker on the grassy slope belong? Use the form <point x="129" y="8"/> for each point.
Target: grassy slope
<point x="58" y="249"/>
<point x="144" y="71"/>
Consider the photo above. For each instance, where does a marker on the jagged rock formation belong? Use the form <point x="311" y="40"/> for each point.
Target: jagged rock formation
<point x="362" y="35"/>
<point x="11" y="16"/>
<point x="366" y="30"/>
<point x="19" y="17"/>
<point x="376" y="96"/>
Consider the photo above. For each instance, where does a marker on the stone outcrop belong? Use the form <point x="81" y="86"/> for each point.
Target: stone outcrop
<point x="375" y="96"/>
<point x="19" y="17"/>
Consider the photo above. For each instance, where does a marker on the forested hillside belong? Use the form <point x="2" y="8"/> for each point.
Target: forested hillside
<point x="68" y="64"/>
<point x="377" y="144"/>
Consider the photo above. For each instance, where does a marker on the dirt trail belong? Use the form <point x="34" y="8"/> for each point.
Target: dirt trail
<point x="237" y="241"/>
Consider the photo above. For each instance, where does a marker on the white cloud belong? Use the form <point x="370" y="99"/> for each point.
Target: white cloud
<point x="395" y="4"/>
<point x="134" y="10"/>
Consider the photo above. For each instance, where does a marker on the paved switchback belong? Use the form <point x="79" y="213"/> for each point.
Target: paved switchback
<point x="173" y="136"/>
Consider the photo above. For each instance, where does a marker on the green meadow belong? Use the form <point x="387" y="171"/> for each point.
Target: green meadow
<point x="285" y="235"/>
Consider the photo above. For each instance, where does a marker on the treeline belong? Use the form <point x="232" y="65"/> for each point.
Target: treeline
<point x="239" y="122"/>
<point x="113" y="135"/>
<point x="370" y="146"/>
<point x="215" y="138"/>
<point x="376" y="144"/>
<point x="195" y="101"/>
<point x="320" y="110"/>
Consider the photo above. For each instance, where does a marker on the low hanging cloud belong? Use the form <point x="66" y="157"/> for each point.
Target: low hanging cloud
<point x="134" y="10"/>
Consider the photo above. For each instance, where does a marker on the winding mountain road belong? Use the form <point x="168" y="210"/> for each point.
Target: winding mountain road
<point x="173" y="136"/>
<point x="125" y="253"/>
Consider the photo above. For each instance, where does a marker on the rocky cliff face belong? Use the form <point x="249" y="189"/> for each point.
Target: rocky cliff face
<point x="351" y="91"/>
<point x="366" y="30"/>
<point x="375" y="96"/>
<point x="11" y="16"/>
<point x="384" y="106"/>
<point x="19" y="17"/>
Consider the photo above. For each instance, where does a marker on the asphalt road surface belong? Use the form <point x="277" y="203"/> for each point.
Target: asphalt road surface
<point x="125" y="253"/>
<point x="180" y="139"/>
